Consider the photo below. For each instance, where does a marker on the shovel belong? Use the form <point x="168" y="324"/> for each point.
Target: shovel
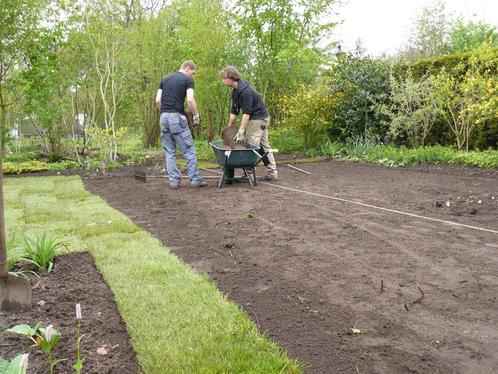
<point x="15" y="292"/>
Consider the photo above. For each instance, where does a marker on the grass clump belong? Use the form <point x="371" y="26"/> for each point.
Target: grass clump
<point x="41" y="252"/>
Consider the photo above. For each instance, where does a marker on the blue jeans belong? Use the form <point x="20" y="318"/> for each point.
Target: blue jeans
<point x="175" y="131"/>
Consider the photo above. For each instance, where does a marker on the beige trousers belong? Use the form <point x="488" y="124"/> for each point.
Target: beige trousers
<point x="257" y="135"/>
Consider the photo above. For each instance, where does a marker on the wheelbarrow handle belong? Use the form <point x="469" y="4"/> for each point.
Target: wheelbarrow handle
<point x="260" y="156"/>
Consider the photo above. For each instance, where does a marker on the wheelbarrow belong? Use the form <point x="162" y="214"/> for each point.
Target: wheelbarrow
<point x="245" y="158"/>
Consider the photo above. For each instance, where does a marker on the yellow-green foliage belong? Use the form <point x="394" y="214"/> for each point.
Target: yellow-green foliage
<point x="309" y="111"/>
<point x="482" y="83"/>
<point x="431" y="65"/>
<point x="24" y="167"/>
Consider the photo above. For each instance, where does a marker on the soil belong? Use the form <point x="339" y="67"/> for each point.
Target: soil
<point x="74" y="279"/>
<point x="344" y="288"/>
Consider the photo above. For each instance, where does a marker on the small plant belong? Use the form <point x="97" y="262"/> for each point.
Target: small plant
<point x="46" y="339"/>
<point x="357" y="330"/>
<point x="15" y="258"/>
<point x="18" y="365"/>
<point x="41" y="252"/>
<point x="79" y="361"/>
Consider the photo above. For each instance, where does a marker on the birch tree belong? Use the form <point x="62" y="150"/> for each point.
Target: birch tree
<point x="106" y="36"/>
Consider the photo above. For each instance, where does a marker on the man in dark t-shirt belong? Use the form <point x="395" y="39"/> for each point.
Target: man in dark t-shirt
<point x="255" y="118"/>
<point x="170" y="100"/>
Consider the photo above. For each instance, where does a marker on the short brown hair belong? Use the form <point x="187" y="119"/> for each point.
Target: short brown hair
<point x="189" y="64"/>
<point x="230" y="72"/>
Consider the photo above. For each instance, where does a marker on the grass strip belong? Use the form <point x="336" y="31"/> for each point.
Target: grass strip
<point x="177" y="320"/>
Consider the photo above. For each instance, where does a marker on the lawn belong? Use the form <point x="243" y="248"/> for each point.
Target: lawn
<point x="177" y="320"/>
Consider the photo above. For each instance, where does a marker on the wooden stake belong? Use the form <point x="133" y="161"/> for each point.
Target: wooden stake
<point x="298" y="169"/>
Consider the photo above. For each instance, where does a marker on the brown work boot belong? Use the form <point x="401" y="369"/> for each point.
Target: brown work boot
<point x="270" y="177"/>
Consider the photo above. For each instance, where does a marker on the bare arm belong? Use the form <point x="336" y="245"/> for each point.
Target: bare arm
<point x="232" y="119"/>
<point x="191" y="101"/>
<point x="158" y="98"/>
<point x="245" y="121"/>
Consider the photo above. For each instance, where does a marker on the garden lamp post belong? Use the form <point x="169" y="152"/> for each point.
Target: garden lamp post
<point x="15" y="292"/>
<point x="340" y="54"/>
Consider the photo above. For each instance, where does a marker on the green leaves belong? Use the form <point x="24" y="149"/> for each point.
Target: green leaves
<point x="45" y="338"/>
<point x="281" y="44"/>
<point x="18" y="365"/>
<point x="361" y="85"/>
<point x="24" y="330"/>
<point x="49" y="337"/>
<point x="413" y="111"/>
<point x="41" y="252"/>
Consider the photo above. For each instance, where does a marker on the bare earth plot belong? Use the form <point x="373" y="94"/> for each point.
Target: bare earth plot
<point x="421" y="294"/>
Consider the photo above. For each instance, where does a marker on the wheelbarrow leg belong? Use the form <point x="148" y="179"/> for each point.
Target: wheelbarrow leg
<point x="222" y="178"/>
<point x="230" y="176"/>
<point x="254" y="175"/>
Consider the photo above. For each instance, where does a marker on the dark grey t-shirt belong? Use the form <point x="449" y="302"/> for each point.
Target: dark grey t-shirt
<point x="174" y="88"/>
<point x="245" y="98"/>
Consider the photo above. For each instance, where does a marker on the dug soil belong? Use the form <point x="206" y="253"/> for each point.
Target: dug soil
<point x="105" y="346"/>
<point x="341" y="285"/>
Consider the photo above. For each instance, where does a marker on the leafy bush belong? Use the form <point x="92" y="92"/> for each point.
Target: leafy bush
<point x="432" y="65"/>
<point x="308" y="113"/>
<point x="329" y="149"/>
<point x="63" y="165"/>
<point x="391" y="155"/>
<point x="21" y="156"/>
<point x="286" y="139"/>
<point x="34" y="166"/>
<point x="413" y="110"/>
<point x="203" y="150"/>
<point x="467" y="95"/>
<point x="359" y="86"/>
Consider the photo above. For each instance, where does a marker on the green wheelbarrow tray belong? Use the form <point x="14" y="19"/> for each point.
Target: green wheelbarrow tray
<point x="231" y="159"/>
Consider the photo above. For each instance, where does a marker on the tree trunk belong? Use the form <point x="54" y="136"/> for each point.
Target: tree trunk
<point x="210" y="136"/>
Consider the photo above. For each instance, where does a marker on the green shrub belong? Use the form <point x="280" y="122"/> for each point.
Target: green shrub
<point x="63" y="165"/>
<point x="432" y="65"/>
<point x="391" y="155"/>
<point x="359" y="85"/>
<point x="286" y="139"/>
<point x="307" y="113"/>
<point x="203" y="150"/>
<point x="21" y="156"/>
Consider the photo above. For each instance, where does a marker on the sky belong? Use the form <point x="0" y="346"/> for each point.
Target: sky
<point x="384" y="25"/>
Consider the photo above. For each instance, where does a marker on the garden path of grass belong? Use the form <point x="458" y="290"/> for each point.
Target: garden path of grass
<point x="177" y="320"/>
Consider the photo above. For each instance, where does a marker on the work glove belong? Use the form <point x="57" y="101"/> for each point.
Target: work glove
<point x="239" y="138"/>
<point x="196" y="119"/>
